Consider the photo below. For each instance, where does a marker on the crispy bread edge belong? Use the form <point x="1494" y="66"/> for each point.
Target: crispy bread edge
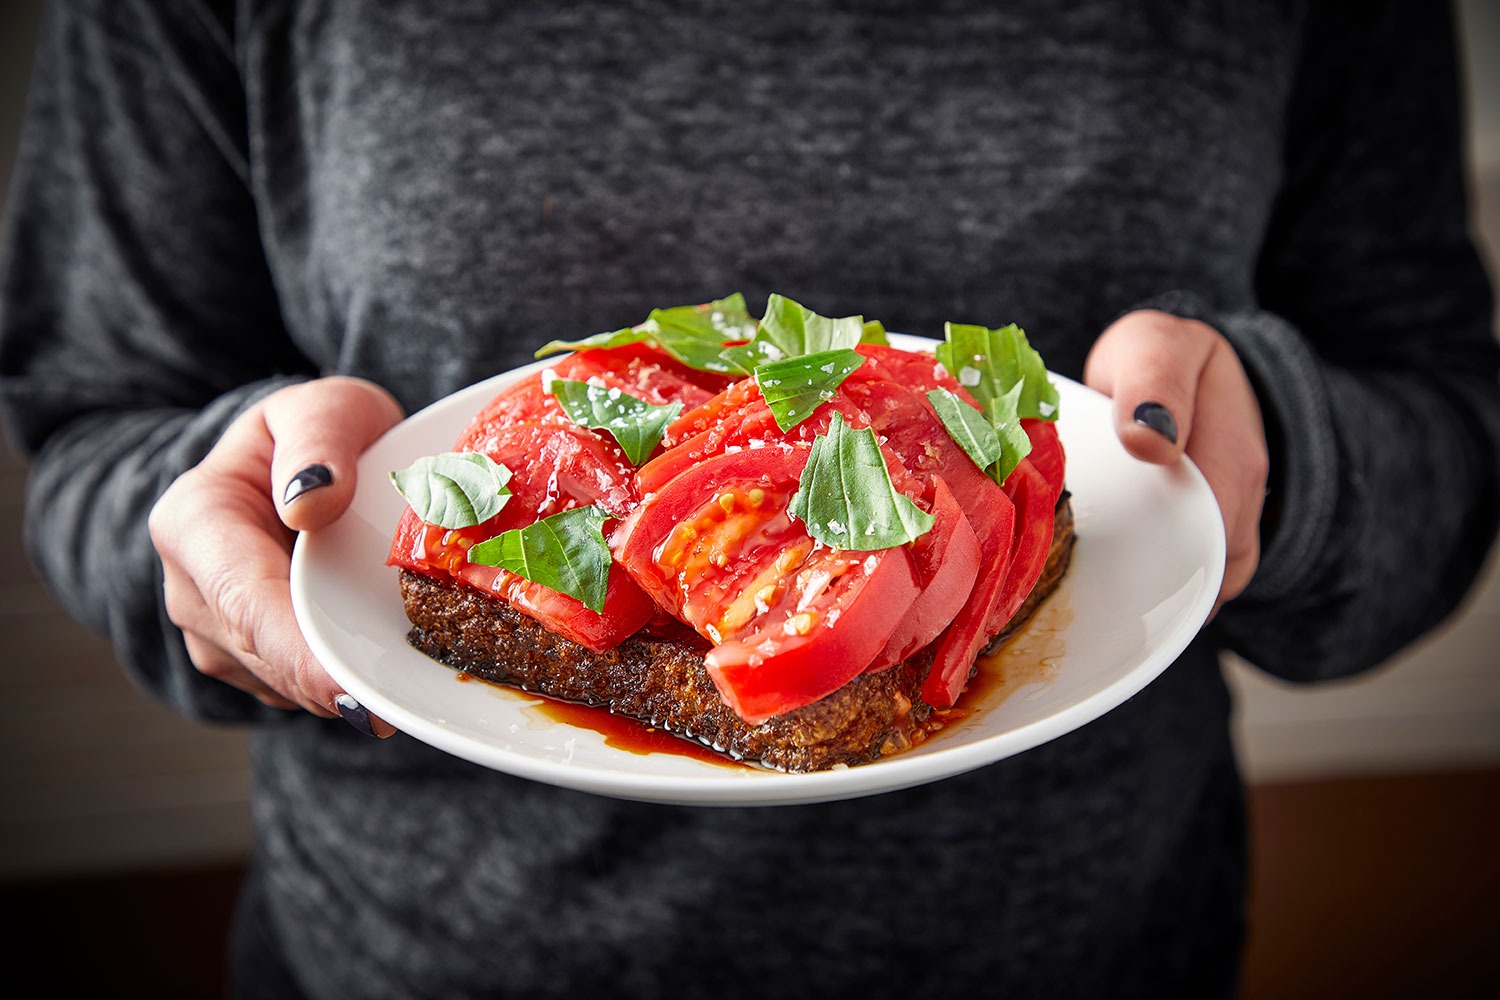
<point x="663" y="681"/>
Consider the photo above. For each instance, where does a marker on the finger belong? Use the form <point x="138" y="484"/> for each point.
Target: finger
<point x="212" y="660"/>
<point x="269" y="636"/>
<point x="318" y="432"/>
<point x="1150" y="363"/>
<point x="186" y="609"/>
<point x="1229" y="448"/>
<point x="238" y="561"/>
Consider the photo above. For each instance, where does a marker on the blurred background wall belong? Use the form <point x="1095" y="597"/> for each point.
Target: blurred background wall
<point x="98" y="781"/>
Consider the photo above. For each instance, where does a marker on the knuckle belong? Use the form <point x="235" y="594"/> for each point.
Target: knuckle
<point x="235" y="605"/>
<point x="311" y="683"/>
<point x="220" y="668"/>
<point x="181" y="608"/>
<point x="174" y="508"/>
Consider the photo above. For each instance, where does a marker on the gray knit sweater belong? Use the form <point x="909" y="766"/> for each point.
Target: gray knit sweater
<point x="215" y="198"/>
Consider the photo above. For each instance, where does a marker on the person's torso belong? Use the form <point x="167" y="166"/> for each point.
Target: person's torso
<point x="447" y="187"/>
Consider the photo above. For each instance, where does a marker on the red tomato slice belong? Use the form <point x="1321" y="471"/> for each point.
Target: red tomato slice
<point x="1047" y="453"/>
<point x="902" y="414"/>
<point x="946" y="562"/>
<point x="522" y="401"/>
<point x="792" y="620"/>
<point x="917" y="369"/>
<point x="644" y="372"/>
<point x="555" y="466"/>
<point x="738" y="417"/>
<point x="1033" y="487"/>
<point x="436" y="551"/>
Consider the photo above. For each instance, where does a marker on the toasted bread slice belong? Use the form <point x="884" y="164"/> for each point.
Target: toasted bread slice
<point x="660" y="678"/>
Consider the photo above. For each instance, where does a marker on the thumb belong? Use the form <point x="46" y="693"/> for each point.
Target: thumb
<point x="318" y="430"/>
<point x="1150" y="364"/>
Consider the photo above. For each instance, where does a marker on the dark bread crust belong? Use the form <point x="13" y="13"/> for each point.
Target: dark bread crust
<point x="662" y="679"/>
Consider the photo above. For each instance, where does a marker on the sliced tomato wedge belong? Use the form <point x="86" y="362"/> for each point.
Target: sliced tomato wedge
<point x="791" y="619"/>
<point x="739" y="418"/>
<point x="1033" y="486"/>
<point x="1047" y="453"/>
<point x="435" y="551"/>
<point x="555" y="466"/>
<point x="901" y="413"/>
<point x="917" y="369"/>
<point x="946" y="561"/>
<point x="645" y="372"/>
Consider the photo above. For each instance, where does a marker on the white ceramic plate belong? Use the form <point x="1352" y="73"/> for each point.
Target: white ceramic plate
<point x="1145" y="571"/>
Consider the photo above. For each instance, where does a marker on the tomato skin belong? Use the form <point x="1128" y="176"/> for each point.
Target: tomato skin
<point x="645" y="372"/>
<point x="946" y="563"/>
<point x="441" y="552"/>
<point x="555" y="466"/>
<point x="767" y="674"/>
<point x="1047" y="453"/>
<point x="791" y="619"/>
<point x="739" y="418"/>
<point x="1033" y="487"/>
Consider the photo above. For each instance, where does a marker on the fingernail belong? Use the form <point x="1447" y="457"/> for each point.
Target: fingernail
<point x="1158" y="418"/>
<point x="354" y="713"/>
<point x="309" y="478"/>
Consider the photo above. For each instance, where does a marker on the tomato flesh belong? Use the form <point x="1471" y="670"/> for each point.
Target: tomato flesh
<point x="946" y="563"/>
<point x="1033" y="487"/>
<point x="792" y="620"/>
<point x="555" y="466"/>
<point x="702" y="533"/>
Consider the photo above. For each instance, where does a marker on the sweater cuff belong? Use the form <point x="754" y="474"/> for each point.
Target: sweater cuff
<point x="1288" y="382"/>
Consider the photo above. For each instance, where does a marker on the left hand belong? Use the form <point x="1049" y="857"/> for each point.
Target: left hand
<point x="1204" y="400"/>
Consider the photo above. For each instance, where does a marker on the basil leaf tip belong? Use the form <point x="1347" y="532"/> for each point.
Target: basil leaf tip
<point x="845" y="497"/>
<point x="794" y="387"/>
<point x="636" y="425"/>
<point x="454" y="489"/>
<point x="565" y="552"/>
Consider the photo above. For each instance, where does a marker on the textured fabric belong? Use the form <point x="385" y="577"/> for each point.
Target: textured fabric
<point x="214" y="199"/>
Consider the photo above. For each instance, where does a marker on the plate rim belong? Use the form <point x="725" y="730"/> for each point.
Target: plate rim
<point x="732" y="785"/>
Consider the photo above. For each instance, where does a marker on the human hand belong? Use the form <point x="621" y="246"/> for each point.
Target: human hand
<point x="224" y="531"/>
<point x="1178" y="387"/>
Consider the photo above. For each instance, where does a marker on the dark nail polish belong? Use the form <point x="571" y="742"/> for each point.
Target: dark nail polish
<point x="1158" y="418"/>
<point x="309" y="478"/>
<point x="354" y="713"/>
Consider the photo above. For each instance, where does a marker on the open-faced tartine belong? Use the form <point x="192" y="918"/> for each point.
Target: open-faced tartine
<point x="784" y="538"/>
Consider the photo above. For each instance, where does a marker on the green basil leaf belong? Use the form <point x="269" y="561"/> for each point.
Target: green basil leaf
<point x="566" y="552"/>
<point x="967" y="426"/>
<point x="874" y="333"/>
<point x="790" y="330"/>
<point x="795" y="387"/>
<point x="796" y="330"/>
<point x="845" y="497"/>
<point x="694" y="335"/>
<point x="989" y="362"/>
<point x="636" y="424"/>
<point x="456" y="489"/>
<point x="1003" y="413"/>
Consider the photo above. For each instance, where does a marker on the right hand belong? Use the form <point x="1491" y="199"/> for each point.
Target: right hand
<point x="224" y="533"/>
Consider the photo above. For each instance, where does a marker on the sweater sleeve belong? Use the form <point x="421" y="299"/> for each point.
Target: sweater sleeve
<point x="137" y="312"/>
<point x="1373" y="353"/>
